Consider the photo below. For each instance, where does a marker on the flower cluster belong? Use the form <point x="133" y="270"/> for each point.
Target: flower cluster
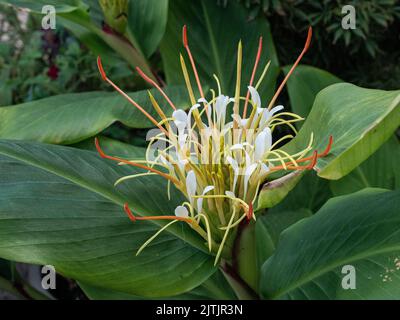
<point x="217" y="153"/>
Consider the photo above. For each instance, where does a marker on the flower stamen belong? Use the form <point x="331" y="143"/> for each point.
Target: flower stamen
<point x="133" y="218"/>
<point x="105" y="156"/>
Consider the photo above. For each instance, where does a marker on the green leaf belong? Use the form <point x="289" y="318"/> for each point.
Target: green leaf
<point x="58" y="206"/>
<point x="310" y="193"/>
<point x="273" y="192"/>
<point x="113" y="147"/>
<point x="303" y="86"/>
<point x="360" y="120"/>
<point x="216" y="287"/>
<point x="70" y="118"/>
<point x="213" y="35"/>
<point x="147" y="20"/>
<point x="360" y="230"/>
<point x="269" y="226"/>
<point x="381" y="170"/>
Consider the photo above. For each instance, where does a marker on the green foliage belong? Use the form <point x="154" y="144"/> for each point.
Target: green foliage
<point x="360" y="229"/>
<point x="59" y="205"/>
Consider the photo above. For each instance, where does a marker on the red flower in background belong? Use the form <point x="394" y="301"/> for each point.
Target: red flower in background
<point x="53" y="72"/>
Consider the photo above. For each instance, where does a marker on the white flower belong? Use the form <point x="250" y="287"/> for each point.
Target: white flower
<point x="181" y="212"/>
<point x="191" y="185"/>
<point x="262" y="143"/>
<point x="200" y="200"/>
<point x="180" y="119"/>
<point x="255" y="96"/>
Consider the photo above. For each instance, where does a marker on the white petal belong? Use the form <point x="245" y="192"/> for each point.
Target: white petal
<point x="230" y="194"/>
<point x="220" y="105"/>
<point x="255" y="96"/>
<point x="238" y="146"/>
<point x="262" y="144"/>
<point x="180" y="119"/>
<point x="190" y="113"/>
<point x="276" y="109"/>
<point x="182" y="212"/>
<point x="200" y="200"/>
<point x="191" y="183"/>
<point x="249" y="171"/>
<point x="208" y="189"/>
<point x="233" y="163"/>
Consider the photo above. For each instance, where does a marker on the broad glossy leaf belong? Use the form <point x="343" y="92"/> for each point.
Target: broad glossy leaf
<point x="360" y="230"/>
<point x="268" y="228"/>
<point x="213" y="35"/>
<point x="310" y="193"/>
<point x="214" y="288"/>
<point x="69" y="118"/>
<point x="359" y="119"/>
<point x="380" y="170"/>
<point x="304" y="84"/>
<point x="58" y="206"/>
<point x="147" y="20"/>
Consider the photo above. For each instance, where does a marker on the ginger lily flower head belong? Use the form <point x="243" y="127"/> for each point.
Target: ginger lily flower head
<point x="215" y="154"/>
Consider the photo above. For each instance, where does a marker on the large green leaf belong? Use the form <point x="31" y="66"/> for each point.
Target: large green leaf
<point x="310" y="193"/>
<point x="213" y="35"/>
<point x="382" y="170"/>
<point x="147" y="20"/>
<point x="304" y="85"/>
<point x="59" y="206"/>
<point x="69" y="118"/>
<point x="269" y="226"/>
<point x="360" y="120"/>
<point x="359" y="230"/>
<point x="216" y="288"/>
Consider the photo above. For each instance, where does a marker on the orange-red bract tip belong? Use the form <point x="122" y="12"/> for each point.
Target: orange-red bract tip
<point x="129" y="212"/>
<point x="250" y="212"/>
<point x="328" y="147"/>
<point x="184" y="36"/>
<point x="101" y="70"/>
<point x="314" y="160"/>
<point x="98" y="148"/>
<point x="309" y="36"/>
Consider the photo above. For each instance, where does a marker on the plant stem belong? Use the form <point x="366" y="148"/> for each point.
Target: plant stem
<point x="241" y="289"/>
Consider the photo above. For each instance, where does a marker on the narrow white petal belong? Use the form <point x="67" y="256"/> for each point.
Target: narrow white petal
<point x="248" y="172"/>
<point x="208" y="189"/>
<point x="255" y="96"/>
<point x="182" y="212"/>
<point x="200" y="200"/>
<point x="276" y="109"/>
<point x="230" y="194"/>
<point x="191" y="183"/>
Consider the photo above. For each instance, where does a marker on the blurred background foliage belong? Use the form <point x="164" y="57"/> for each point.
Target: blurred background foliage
<point x="36" y="63"/>
<point x="367" y="56"/>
